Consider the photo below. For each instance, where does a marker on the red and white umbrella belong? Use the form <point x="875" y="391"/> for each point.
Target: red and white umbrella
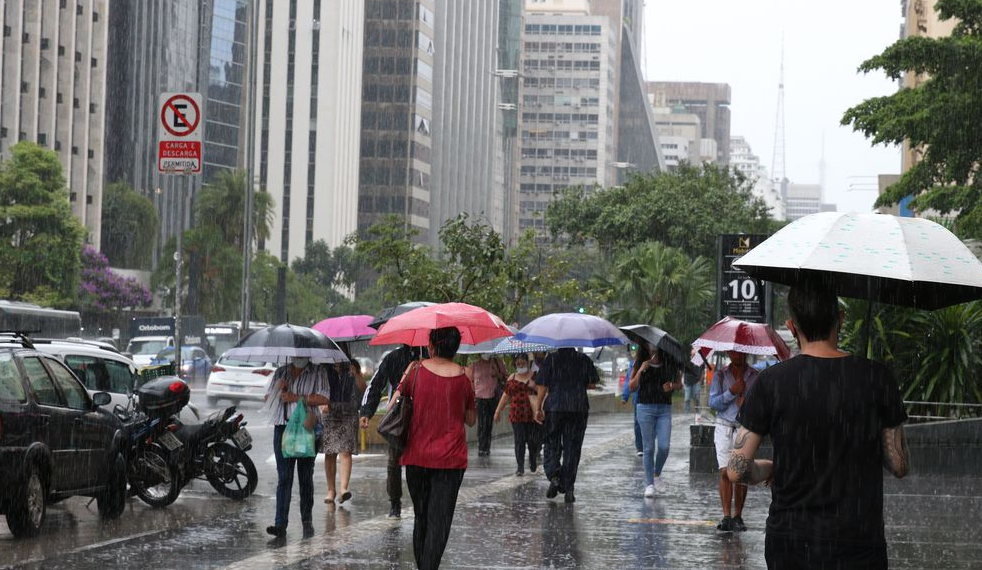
<point x="741" y="336"/>
<point x="413" y="328"/>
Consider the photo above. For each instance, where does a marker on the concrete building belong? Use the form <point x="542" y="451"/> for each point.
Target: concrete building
<point x="397" y="114"/>
<point x="710" y="101"/>
<point x="744" y="161"/>
<point x="53" y="92"/>
<point x="308" y="107"/>
<point x="568" y="104"/>
<point x="805" y="199"/>
<point x="509" y="50"/>
<point x="675" y="123"/>
<point x="467" y="175"/>
<point x="675" y="150"/>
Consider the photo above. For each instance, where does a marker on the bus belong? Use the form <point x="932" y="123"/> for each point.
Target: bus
<point x="39" y="321"/>
<point x="223" y="336"/>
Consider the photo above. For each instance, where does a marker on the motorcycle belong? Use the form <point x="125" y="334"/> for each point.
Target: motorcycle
<point x="216" y="451"/>
<point x="152" y="455"/>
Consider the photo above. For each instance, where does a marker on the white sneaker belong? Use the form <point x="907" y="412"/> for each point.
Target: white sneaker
<point x="649" y="491"/>
<point x="660" y="486"/>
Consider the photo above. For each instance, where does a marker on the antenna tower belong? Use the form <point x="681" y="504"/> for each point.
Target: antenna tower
<point x="777" y="161"/>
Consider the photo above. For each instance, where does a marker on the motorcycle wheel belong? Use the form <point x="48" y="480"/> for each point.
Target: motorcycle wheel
<point x="230" y="471"/>
<point x="155" y="480"/>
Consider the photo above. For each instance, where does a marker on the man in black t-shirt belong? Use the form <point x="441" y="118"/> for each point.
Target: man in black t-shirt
<point x="835" y="421"/>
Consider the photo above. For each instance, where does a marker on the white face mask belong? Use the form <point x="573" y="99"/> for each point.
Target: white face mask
<point x="485" y="357"/>
<point x="301" y="362"/>
<point x="522" y="370"/>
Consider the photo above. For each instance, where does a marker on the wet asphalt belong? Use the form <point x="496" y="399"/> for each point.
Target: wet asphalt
<point x="502" y="521"/>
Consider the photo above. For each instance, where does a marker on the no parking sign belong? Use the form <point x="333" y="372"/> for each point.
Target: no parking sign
<point x="179" y="133"/>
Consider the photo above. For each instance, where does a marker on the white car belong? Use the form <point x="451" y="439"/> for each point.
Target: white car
<point x="102" y="369"/>
<point x="145" y="348"/>
<point x="238" y="380"/>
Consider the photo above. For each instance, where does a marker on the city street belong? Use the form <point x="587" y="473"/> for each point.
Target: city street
<point x="502" y="521"/>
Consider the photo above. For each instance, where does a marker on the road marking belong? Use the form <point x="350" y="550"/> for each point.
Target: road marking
<point x="300" y="550"/>
<point x="88" y="547"/>
<point x="678" y="522"/>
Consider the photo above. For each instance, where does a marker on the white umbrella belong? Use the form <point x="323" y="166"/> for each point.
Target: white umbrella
<point x="902" y="261"/>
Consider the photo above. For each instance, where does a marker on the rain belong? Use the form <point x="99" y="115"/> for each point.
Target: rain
<point x="490" y="284"/>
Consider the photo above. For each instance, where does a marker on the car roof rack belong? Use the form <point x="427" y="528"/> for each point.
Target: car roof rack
<point x="18" y="336"/>
<point x="78" y="341"/>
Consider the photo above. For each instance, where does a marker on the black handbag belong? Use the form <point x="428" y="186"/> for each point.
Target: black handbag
<point x="394" y="426"/>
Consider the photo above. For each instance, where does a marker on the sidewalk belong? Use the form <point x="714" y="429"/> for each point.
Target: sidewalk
<point x="504" y="521"/>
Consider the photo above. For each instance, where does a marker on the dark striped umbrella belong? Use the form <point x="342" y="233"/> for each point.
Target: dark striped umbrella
<point x="280" y="343"/>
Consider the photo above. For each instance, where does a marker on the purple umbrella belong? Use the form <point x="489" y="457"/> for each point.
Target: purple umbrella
<point x="347" y="328"/>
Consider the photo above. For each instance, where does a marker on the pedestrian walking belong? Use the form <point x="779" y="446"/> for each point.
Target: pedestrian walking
<point x="340" y="440"/>
<point x="518" y="395"/>
<point x="629" y="395"/>
<point x="655" y="378"/>
<point x="692" y="379"/>
<point x="387" y="377"/>
<point x="726" y="395"/>
<point x="487" y="374"/>
<point x="563" y="408"/>
<point x="436" y="446"/>
<point x="835" y="420"/>
<point x="299" y="383"/>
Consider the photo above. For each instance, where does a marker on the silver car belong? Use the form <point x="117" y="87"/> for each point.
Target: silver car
<point x="238" y="380"/>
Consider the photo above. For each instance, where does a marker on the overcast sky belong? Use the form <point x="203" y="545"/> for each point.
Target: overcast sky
<point x="824" y="42"/>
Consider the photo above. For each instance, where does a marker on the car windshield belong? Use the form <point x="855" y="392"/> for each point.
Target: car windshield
<point x="167" y="354"/>
<point x="146" y="346"/>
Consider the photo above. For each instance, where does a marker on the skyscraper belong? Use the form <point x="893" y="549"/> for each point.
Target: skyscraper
<point x="710" y="101"/>
<point x="465" y="115"/>
<point x="53" y="91"/>
<point x="308" y="110"/>
<point x="397" y="113"/>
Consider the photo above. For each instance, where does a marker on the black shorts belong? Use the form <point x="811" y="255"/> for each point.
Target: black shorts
<point x="795" y="553"/>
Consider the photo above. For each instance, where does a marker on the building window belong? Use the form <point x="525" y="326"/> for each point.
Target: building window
<point x="72" y="197"/>
<point x="75" y="102"/>
<point x="74" y="150"/>
<point x="88" y="199"/>
<point x="91" y="153"/>
<point x="78" y="9"/>
<point x="92" y="107"/>
<point x="78" y="57"/>
<point x="3" y="132"/>
<point x="43" y="139"/>
<point x="95" y="16"/>
<point x="7" y="31"/>
<point x="41" y="93"/>
<point x="45" y="43"/>
<point x="26" y="37"/>
<point x="61" y="50"/>
<point x="24" y="87"/>
<point x="57" y="145"/>
<point x="95" y="62"/>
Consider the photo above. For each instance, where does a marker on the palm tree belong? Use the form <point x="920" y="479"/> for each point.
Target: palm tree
<point x="221" y="204"/>
<point x="660" y="285"/>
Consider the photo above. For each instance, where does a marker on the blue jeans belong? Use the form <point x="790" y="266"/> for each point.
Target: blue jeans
<point x="637" y="426"/>
<point x="656" y="425"/>
<point x="284" y="485"/>
<point x="692" y="396"/>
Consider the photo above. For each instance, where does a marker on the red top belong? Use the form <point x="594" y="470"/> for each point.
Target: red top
<point x="519" y="408"/>
<point x="437" y="437"/>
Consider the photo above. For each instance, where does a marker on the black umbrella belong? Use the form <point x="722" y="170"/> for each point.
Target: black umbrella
<point x="657" y="338"/>
<point x="280" y="343"/>
<point x="390" y="312"/>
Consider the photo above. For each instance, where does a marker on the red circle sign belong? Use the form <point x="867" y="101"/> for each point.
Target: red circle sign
<point x="181" y="127"/>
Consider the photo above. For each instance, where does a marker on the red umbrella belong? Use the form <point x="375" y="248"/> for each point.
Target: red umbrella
<point x="413" y="328"/>
<point x="741" y="336"/>
<point x="348" y="328"/>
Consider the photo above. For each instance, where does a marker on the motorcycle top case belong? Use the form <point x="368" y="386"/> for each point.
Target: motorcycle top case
<point x="164" y="396"/>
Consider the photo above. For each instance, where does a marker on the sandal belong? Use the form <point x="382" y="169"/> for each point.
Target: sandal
<point x="345" y="496"/>
<point x="328" y="500"/>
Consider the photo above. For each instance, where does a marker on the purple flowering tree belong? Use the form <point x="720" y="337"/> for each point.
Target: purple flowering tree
<point x="102" y="290"/>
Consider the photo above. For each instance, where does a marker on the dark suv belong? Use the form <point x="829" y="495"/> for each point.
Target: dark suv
<point x="55" y="441"/>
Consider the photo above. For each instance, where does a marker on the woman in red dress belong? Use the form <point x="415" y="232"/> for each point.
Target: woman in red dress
<point x="436" y="448"/>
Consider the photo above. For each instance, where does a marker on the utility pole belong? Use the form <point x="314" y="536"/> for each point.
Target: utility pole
<point x="178" y="263"/>
<point x="253" y="54"/>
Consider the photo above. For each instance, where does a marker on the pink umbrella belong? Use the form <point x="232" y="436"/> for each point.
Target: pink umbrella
<point x="346" y="329"/>
<point x="741" y="336"/>
<point x="413" y="328"/>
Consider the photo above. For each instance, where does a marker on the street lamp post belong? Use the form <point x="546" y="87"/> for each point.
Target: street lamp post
<point x="250" y="162"/>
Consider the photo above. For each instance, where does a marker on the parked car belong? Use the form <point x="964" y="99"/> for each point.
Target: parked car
<point x="102" y="369"/>
<point x="55" y="439"/>
<point x="238" y="380"/>
<point x="195" y="363"/>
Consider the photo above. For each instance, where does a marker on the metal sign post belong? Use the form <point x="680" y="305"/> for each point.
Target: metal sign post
<point x="179" y="152"/>
<point x="739" y="295"/>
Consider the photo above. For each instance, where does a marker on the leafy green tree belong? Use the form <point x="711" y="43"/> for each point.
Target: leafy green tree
<point x="662" y="286"/>
<point x="333" y="270"/>
<point x="939" y="117"/>
<point x="213" y="246"/>
<point x="40" y="259"/>
<point x="306" y="302"/>
<point x="685" y="209"/>
<point x="129" y="227"/>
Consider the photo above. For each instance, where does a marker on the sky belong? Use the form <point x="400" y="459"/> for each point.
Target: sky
<point x="739" y="43"/>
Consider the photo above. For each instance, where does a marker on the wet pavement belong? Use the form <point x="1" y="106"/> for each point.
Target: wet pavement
<point x="502" y="521"/>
